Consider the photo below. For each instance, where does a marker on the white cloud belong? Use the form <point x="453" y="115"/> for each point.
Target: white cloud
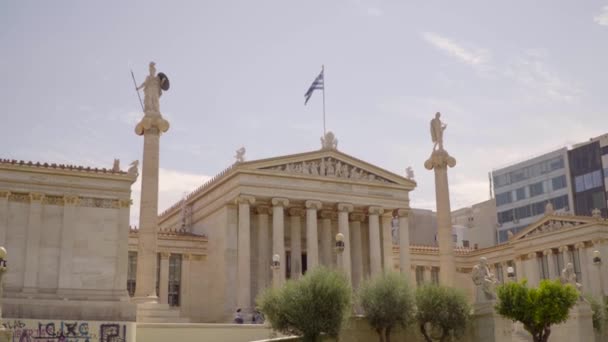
<point x="172" y="185"/>
<point x="532" y="71"/>
<point x="602" y="18"/>
<point x="471" y="55"/>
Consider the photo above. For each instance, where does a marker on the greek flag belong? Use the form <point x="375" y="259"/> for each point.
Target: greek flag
<point x="318" y="83"/>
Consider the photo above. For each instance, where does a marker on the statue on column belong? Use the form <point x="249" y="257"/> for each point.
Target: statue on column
<point x="153" y="87"/>
<point x="484" y="280"/>
<point x="437" y="128"/>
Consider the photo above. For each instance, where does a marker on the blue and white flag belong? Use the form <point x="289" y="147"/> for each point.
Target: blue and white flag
<point x="319" y="83"/>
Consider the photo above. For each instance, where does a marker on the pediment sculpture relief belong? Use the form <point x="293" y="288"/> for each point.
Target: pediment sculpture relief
<point x="329" y="167"/>
<point x="552" y="226"/>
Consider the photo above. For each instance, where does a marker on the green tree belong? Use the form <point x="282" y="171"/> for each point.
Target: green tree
<point x="317" y="303"/>
<point x="388" y="302"/>
<point x="536" y="308"/>
<point x="442" y="312"/>
<point x="599" y="313"/>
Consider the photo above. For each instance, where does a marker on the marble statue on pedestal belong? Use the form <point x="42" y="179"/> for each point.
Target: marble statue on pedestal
<point x="153" y="86"/>
<point x="484" y="280"/>
<point x="569" y="277"/>
<point x="240" y="155"/>
<point x="409" y="173"/>
<point x="437" y="128"/>
<point x="329" y="141"/>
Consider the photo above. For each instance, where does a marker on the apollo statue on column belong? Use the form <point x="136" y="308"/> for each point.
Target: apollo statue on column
<point x="437" y="128"/>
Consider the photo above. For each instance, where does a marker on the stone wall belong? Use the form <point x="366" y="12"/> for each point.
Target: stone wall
<point x="30" y="330"/>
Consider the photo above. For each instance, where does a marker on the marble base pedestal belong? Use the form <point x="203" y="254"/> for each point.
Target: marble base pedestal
<point x="6" y="336"/>
<point x="489" y="325"/>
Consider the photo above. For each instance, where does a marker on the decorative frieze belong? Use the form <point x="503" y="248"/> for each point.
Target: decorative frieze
<point x="5" y="194"/>
<point x="125" y="203"/>
<point x="105" y="203"/>
<point x="71" y="200"/>
<point x="36" y="196"/>
<point x="53" y="200"/>
<point x="552" y="226"/>
<point x="328" y="167"/>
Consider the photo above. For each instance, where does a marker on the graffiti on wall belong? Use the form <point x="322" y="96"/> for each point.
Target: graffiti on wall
<point x="28" y="330"/>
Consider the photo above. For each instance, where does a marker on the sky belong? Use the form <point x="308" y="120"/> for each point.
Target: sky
<point x="512" y="79"/>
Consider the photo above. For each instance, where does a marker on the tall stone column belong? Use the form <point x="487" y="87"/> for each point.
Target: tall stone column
<point x="296" y="215"/>
<point x="264" y="256"/>
<point x="278" y="236"/>
<point x="151" y="127"/>
<point x="32" y="245"/>
<point x="550" y="263"/>
<point x="584" y="263"/>
<point x="244" y="252"/>
<point x="439" y="161"/>
<point x="4" y="195"/>
<point x="67" y="242"/>
<point x="357" y="248"/>
<point x="520" y="273"/>
<point x="404" y="241"/>
<point x="186" y="294"/>
<point x="343" y="210"/>
<point x="375" y="254"/>
<point x="312" y="241"/>
<point x="163" y="281"/>
<point x="326" y="238"/>
<point x="387" y="242"/>
<point x="532" y="270"/>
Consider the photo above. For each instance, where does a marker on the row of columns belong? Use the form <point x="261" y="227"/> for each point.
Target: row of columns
<point x="350" y="260"/>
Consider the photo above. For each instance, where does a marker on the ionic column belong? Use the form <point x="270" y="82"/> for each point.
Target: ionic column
<point x="532" y="271"/>
<point x="296" y="215"/>
<point x="326" y="238"/>
<point x="344" y="229"/>
<point x="312" y="242"/>
<point x="67" y="242"/>
<point x="520" y="274"/>
<point x="278" y="235"/>
<point x="264" y="257"/>
<point x="185" y="294"/>
<point x="375" y="254"/>
<point x="244" y="252"/>
<point x="387" y="242"/>
<point x="550" y="263"/>
<point x="404" y="241"/>
<point x="163" y="281"/>
<point x="357" y="248"/>
<point x="584" y="263"/>
<point x="32" y="244"/>
<point x="4" y="195"/>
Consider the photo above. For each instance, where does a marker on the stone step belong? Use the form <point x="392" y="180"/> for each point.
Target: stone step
<point x="164" y="320"/>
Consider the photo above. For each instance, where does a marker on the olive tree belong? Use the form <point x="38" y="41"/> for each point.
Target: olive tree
<point x="442" y="312"/>
<point x="388" y="302"/>
<point x="536" y="308"/>
<point x="317" y="303"/>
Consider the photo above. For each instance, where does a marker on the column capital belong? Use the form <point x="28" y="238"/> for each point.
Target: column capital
<point x="310" y="204"/>
<point x="579" y="245"/>
<point x="439" y="159"/>
<point x="327" y="214"/>
<point x="36" y="196"/>
<point x="262" y="210"/>
<point x="279" y="202"/>
<point x="295" y="211"/>
<point x="165" y="255"/>
<point x="548" y="251"/>
<point x="345" y="207"/>
<point x="186" y="256"/>
<point x="504" y="263"/>
<point x="531" y="255"/>
<point x="598" y="241"/>
<point x="428" y="268"/>
<point x="244" y="199"/>
<point x="402" y="212"/>
<point x="4" y="194"/>
<point x="71" y="199"/>
<point x="563" y="249"/>
<point x="357" y="217"/>
<point x="375" y="210"/>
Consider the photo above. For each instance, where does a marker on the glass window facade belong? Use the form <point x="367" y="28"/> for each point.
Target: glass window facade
<point x="558" y="182"/>
<point x="520" y="194"/>
<point x="536" y="189"/>
<point x="504" y="198"/>
<point x="175" y="276"/>
<point x="528" y="172"/>
<point x="588" y="181"/>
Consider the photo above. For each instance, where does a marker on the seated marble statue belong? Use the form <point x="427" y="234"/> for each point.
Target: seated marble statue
<point x="569" y="277"/>
<point x="484" y="280"/>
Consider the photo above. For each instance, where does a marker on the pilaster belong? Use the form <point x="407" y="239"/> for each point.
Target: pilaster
<point x="32" y="245"/>
<point x="67" y="242"/>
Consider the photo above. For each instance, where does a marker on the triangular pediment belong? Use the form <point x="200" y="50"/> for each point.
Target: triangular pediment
<point x="552" y="223"/>
<point x="328" y="163"/>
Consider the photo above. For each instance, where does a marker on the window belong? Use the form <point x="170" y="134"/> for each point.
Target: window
<point x="538" y="208"/>
<point x="598" y="200"/>
<point x="520" y="194"/>
<point x="465" y="243"/>
<point x="132" y="273"/>
<point x="175" y="277"/>
<point x="536" y="189"/>
<point x="523" y="212"/>
<point x="560" y="202"/>
<point x="557" y="163"/>
<point x="588" y="181"/>
<point x="435" y="275"/>
<point x="504" y="198"/>
<point x="558" y="182"/>
<point x="505" y="216"/>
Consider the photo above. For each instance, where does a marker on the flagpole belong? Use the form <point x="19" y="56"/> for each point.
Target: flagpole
<point x="323" y="72"/>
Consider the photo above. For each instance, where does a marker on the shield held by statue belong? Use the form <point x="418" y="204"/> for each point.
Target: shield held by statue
<point x="164" y="81"/>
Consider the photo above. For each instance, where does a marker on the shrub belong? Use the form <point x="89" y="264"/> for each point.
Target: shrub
<point x="536" y="308"/>
<point x="317" y="303"/>
<point x="388" y="302"/>
<point x="442" y="312"/>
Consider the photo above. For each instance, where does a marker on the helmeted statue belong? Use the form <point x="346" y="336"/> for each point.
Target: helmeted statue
<point x="437" y="128"/>
<point x="484" y="280"/>
<point x="153" y="87"/>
